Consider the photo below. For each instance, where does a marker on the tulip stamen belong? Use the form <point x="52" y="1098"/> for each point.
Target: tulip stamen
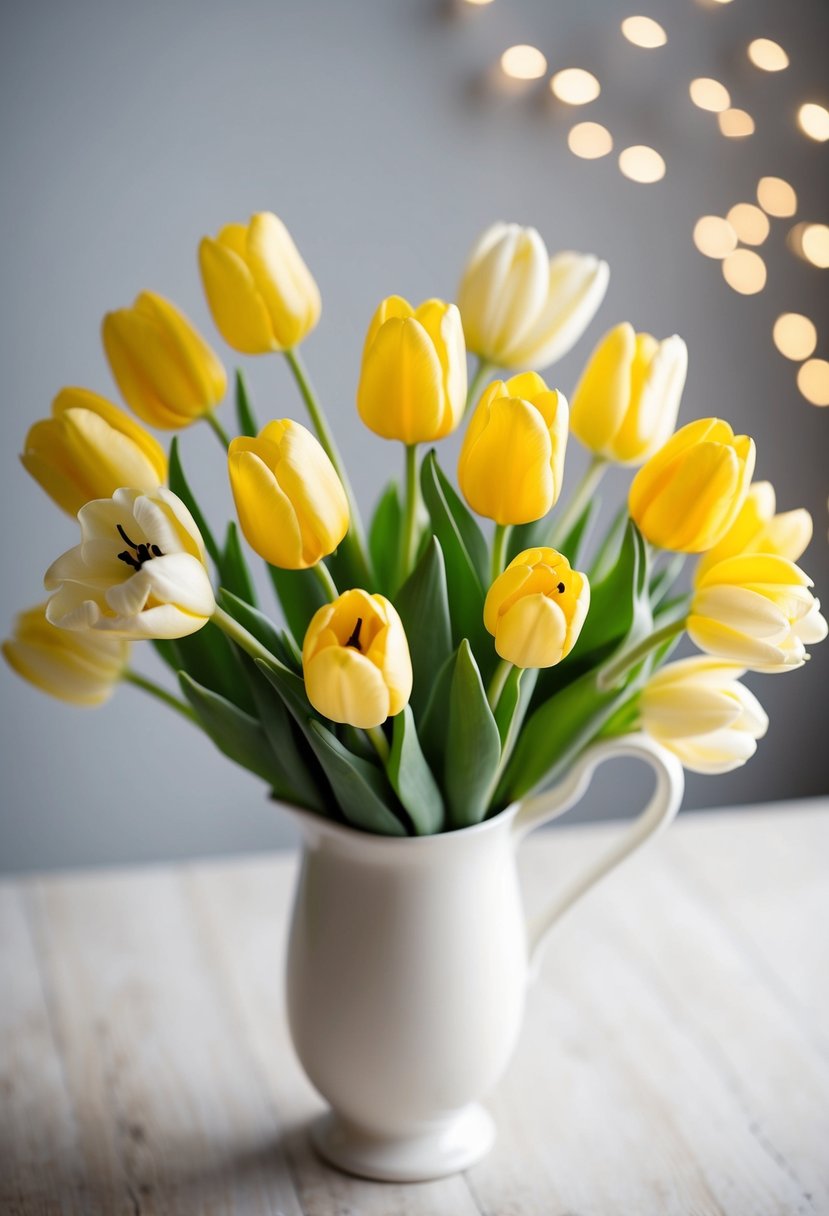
<point x="560" y="588"/>
<point x="354" y="640"/>
<point x="143" y="552"/>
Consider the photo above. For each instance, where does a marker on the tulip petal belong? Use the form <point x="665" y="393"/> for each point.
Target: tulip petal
<point x="742" y="609"/>
<point x="532" y="632"/>
<point x="283" y="281"/>
<point x="188" y="351"/>
<point x="181" y="580"/>
<point x="657" y="380"/>
<point x="602" y="394"/>
<point x="720" y="752"/>
<point x="576" y="286"/>
<point x="400" y="394"/>
<point x="505" y="473"/>
<point x="266" y="516"/>
<point x="237" y="307"/>
<point x="756" y="654"/>
<point x="345" y="686"/>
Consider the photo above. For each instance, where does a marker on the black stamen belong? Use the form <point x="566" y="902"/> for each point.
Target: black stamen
<point x="156" y="552"/>
<point x="126" y="539"/>
<point x="144" y="552"/>
<point x="354" y="640"/>
<point x="561" y="588"/>
<point x="127" y="557"/>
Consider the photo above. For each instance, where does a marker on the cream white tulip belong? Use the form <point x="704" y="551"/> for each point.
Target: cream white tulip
<point x="698" y="709"/>
<point x="520" y="307"/>
<point x="139" y="571"/>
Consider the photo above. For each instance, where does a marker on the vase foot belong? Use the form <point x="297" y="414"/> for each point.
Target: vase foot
<point x="447" y="1148"/>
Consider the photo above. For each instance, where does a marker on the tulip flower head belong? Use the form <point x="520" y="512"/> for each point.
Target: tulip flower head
<point x="520" y="307"/>
<point x="756" y="610"/>
<point x="758" y="530"/>
<point x="688" y="495"/>
<point x="698" y="709"/>
<point x="81" y="668"/>
<point x="535" y="609"/>
<point x="167" y="373"/>
<point x="356" y="660"/>
<point x="511" y="464"/>
<point x="88" y="448"/>
<point x="139" y="571"/>
<point x="625" y="406"/>
<point x="413" y="375"/>
<point x="262" y="295"/>
<point x="291" y="504"/>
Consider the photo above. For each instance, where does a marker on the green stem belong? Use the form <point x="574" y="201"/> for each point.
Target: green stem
<point x="500" y="537"/>
<point x="216" y="426"/>
<point x="496" y="684"/>
<point x="630" y="658"/>
<point x="238" y="634"/>
<point x="407" y="548"/>
<point x="480" y="374"/>
<point x="584" y="492"/>
<point x="323" y="575"/>
<point x="160" y="694"/>
<point x="381" y="743"/>
<point x="355" y="537"/>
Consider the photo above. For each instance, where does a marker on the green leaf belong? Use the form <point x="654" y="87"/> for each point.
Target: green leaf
<point x="361" y="789"/>
<point x="261" y="626"/>
<point x="662" y="583"/>
<point x="412" y="778"/>
<point x="178" y="484"/>
<point x="238" y="735"/>
<point x="473" y="744"/>
<point x="572" y="545"/>
<point x="608" y="551"/>
<point x="432" y="726"/>
<point x="384" y="538"/>
<point x="423" y="604"/>
<point x="466" y="558"/>
<point x="541" y="532"/>
<point x="244" y="411"/>
<point x="615" y="599"/>
<point x="166" y="651"/>
<point x="210" y="659"/>
<point x="234" y="569"/>
<point x="300" y="595"/>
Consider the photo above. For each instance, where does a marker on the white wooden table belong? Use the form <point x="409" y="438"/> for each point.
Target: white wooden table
<point x="675" y="1057"/>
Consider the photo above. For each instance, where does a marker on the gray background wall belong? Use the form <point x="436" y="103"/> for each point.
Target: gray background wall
<point x="377" y="132"/>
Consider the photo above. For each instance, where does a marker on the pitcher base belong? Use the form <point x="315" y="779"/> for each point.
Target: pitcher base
<point x="447" y="1149"/>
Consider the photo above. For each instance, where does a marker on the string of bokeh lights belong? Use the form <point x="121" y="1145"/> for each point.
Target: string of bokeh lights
<point x="732" y="239"/>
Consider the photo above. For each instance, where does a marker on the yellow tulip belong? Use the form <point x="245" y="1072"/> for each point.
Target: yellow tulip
<point x="522" y="308"/>
<point x="262" y="295"/>
<point x="82" y="668"/>
<point x="690" y="492"/>
<point x="698" y="709"/>
<point x="139" y="571"/>
<point x="758" y="530"/>
<point x="88" y="449"/>
<point x="535" y="609"/>
<point x="511" y="464"/>
<point x="756" y="610"/>
<point x="164" y="368"/>
<point x="356" y="661"/>
<point x="291" y="504"/>
<point x="413" y="375"/>
<point x="625" y="405"/>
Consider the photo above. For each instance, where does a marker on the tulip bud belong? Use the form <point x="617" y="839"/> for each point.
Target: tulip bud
<point x="756" y="610"/>
<point x="164" y="368"/>
<point x="356" y="661"/>
<point x="536" y="608"/>
<point x="512" y="460"/>
<point x="291" y="504"/>
<point x="625" y="405"/>
<point x="139" y="571"/>
<point x="413" y="375"/>
<point x="521" y="308"/>
<point x="82" y="668"/>
<point x="88" y="449"/>
<point x="698" y="709"/>
<point x="260" y="292"/>
<point x="690" y="492"/>
<point x="758" y="530"/>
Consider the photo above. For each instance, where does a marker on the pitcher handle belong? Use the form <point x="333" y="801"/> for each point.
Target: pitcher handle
<point x="543" y="808"/>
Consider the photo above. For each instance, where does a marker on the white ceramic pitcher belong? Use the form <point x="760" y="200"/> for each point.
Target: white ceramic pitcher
<point x="408" y="963"/>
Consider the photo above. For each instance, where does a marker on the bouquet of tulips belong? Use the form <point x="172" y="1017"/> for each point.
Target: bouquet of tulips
<point x="424" y="676"/>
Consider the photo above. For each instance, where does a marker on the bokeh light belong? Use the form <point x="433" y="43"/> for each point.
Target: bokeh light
<point x="767" y="55"/>
<point x="744" y="271"/>
<point x="575" y="86"/>
<point x="749" y="222"/>
<point x="814" y="121"/>
<point x="589" y="140"/>
<point x="776" y="196"/>
<point x="794" y="336"/>
<point x="815" y="245"/>
<point x="813" y="381"/>
<point x="735" y="124"/>
<point x="642" y="164"/>
<point x="714" y="237"/>
<point x="644" y="32"/>
<point x="523" y="63"/>
<point x="709" y="94"/>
